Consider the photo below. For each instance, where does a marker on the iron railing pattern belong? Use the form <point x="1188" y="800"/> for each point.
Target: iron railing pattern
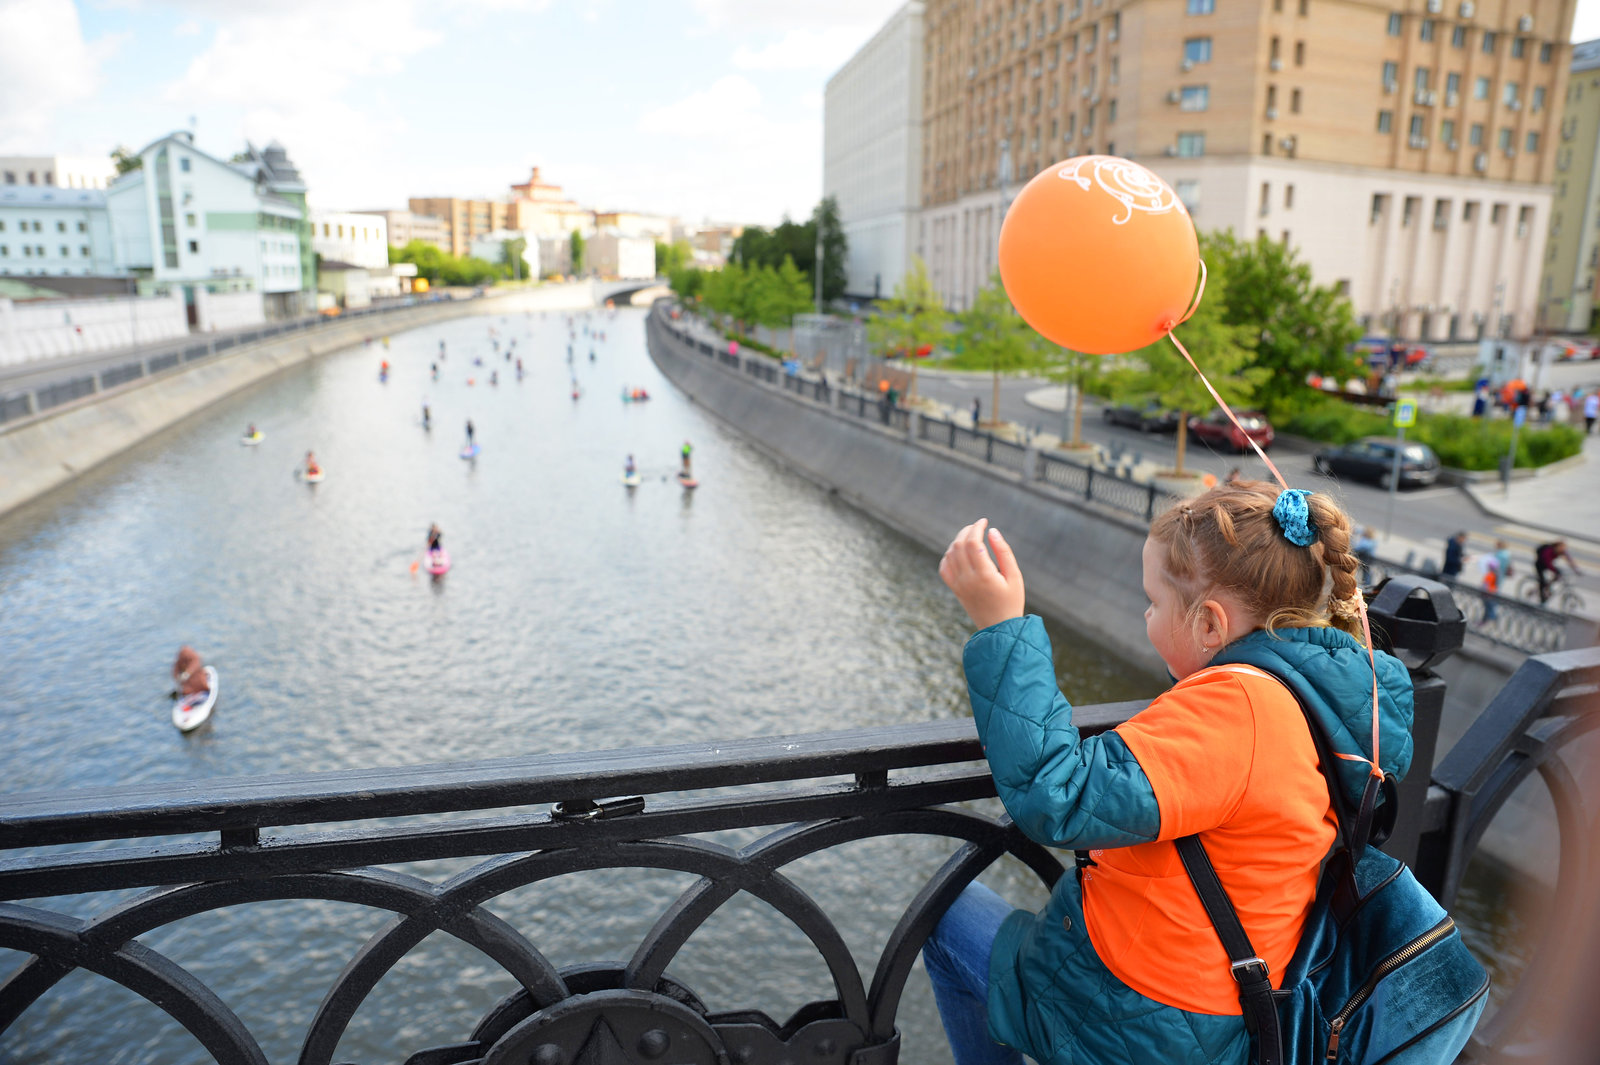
<point x="23" y="404"/>
<point x="654" y="808"/>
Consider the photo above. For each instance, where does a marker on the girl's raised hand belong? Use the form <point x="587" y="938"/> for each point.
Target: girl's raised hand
<point x="989" y="589"/>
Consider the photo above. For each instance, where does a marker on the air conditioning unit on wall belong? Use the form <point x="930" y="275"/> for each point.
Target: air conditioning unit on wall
<point x="1525" y="23"/>
<point x="1174" y="96"/>
<point x="1171" y="149"/>
<point x="1467" y="9"/>
<point x="1480" y="162"/>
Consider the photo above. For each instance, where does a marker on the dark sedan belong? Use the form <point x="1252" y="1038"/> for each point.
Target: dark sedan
<point x="1372" y="459"/>
<point x="1218" y="430"/>
<point x="1148" y="417"/>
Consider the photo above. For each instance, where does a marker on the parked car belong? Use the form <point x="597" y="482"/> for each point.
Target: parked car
<point x="1148" y="417"/>
<point x="1217" y="430"/>
<point x="1372" y="460"/>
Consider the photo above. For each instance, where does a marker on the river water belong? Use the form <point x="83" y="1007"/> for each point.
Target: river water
<point x="578" y="616"/>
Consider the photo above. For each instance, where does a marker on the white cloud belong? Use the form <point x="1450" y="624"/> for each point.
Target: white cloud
<point x="801" y="50"/>
<point x="744" y="16"/>
<point x="45" y="65"/>
<point x="187" y="28"/>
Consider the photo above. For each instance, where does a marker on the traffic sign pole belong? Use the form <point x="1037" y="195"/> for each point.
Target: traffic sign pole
<point x="1405" y="414"/>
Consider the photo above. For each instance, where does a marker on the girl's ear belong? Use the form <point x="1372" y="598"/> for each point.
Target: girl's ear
<point x="1211" y="626"/>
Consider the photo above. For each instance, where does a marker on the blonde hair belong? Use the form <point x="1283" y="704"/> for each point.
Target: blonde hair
<point x="1228" y="539"/>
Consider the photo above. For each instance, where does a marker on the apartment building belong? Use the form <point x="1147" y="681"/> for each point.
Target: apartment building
<point x="60" y="171"/>
<point x="464" y="220"/>
<point x="1404" y="148"/>
<point x="872" y="152"/>
<point x="48" y="231"/>
<point x="403" y="227"/>
<point x="349" y="237"/>
<point x="1570" y="287"/>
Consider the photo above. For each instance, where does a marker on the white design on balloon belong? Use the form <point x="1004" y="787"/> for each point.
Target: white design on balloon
<point x="1131" y="185"/>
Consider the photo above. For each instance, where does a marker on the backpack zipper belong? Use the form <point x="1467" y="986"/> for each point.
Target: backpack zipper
<point x="1384" y="968"/>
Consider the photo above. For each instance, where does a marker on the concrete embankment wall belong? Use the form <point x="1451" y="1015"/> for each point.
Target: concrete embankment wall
<point x="43" y="453"/>
<point x="1083" y="566"/>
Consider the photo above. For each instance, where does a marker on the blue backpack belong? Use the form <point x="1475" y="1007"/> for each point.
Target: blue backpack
<point x="1380" y="974"/>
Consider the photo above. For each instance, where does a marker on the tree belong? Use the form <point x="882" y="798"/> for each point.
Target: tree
<point x="1223" y="351"/>
<point x="577" y="244"/>
<point x="912" y="319"/>
<point x="687" y="283"/>
<point x="124" y="160"/>
<point x="670" y="257"/>
<point x="994" y="331"/>
<point x="778" y="295"/>
<point x="1075" y="370"/>
<point x="514" y="249"/>
<point x="835" y="249"/>
<point x="1298" y="328"/>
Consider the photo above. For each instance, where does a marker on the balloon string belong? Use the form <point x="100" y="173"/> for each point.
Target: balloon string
<point x="1361" y="600"/>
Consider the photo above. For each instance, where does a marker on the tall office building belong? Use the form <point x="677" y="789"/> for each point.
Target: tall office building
<point x="872" y="152"/>
<point x="1570" y="288"/>
<point x="464" y="220"/>
<point x="1403" y="148"/>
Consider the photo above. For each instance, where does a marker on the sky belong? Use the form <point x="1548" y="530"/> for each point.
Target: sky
<point x="705" y="109"/>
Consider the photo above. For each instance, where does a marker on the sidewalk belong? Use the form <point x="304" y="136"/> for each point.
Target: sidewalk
<point x="1564" y="503"/>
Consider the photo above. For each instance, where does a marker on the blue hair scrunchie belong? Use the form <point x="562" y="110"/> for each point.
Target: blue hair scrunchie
<point x="1294" y="517"/>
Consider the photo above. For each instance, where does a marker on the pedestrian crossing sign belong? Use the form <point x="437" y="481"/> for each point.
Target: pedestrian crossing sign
<point x="1405" y="413"/>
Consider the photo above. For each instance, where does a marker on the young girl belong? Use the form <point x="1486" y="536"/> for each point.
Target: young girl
<point x="1245" y="584"/>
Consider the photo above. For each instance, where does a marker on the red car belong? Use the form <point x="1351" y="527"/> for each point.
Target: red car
<point x="1217" y="430"/>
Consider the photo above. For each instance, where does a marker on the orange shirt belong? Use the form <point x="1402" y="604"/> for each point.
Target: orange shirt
<point x="1229" y="755"/>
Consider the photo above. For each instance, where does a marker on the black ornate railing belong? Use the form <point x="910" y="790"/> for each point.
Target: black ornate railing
<point x="1512" y="623"/>
<point x="198" y="847"/>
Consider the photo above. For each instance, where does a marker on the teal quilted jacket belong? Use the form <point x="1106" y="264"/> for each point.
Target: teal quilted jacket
<point x="1049" y="995"/>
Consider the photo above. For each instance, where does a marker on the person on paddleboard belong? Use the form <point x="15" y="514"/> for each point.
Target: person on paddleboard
<point x="189" y="673"/>
<point x="427" y="415"/>
<point x="470" y="431"/>
<point x="686" y="451"/>
<point x="435" y="538"/>
<point x="250" y="431"/>
<point x="312" y="469"/>
<point x="628" y="468"/>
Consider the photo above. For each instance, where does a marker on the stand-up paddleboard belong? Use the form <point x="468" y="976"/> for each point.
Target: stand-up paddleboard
<point x="313" y="478"/>
<point x="471" y="451"/>
<point x="687" y="481"/>
<point x="439" y="562"/>
<point x="632" y="480"/>
<point x="252" y="441"/>
<point x="192" y="711"/>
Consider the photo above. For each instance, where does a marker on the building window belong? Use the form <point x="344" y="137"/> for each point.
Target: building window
<point x="5" y="250"/>
<point x="1532" y="142"/>
<point x="1508" y="94"/>
<point x="194" y="247"/>
<point x="1197" y="50"/>
<point x="1426" y="30"/>
<point x="1391" y="75"/>
<point x="1418" y="133"/>
<point x="1266" y="144"/>
<point x="1497" y="214"/>
<point x="11" y="177"/>
<point x="1538" y="97"/>
<point x="1458" y="37"/>
<point x="1505" y="139"/>
<point x="1447" y="131"/>
<point x="1305" y="8"/>
<point x="1189" y="192"/>
<point x="85" y="251"/>
<point x="1420" y="79"/>
<point x="27" y="251"/>
<point x="1191" y="144"/>
<point x="1200" y="7"/>
<point x="64" y="252"/>
<point x="83" y="227"/>
<point x="1299" y="53"/>
<point x="1194" y="98"/>
<point x="1294" y="101"/>
<point x="1519" y="45"/>
<point x="183" y="163"/>
<point x="1544" y="52"/>
<point x="1385" y="121"/>
<point x="1452" y="88"/>
<point x="1288" y="195"/>
<point x="1469" y="211"/>
<point x="1394" y="24"/>
<point x="1441" y="214"/>
<point x="1475" y="135"/>
<point x="61" y="227"/>
<point x="1490" y="39"/>
<point x="189" y="220"/>
<point x="1409" y="212"/>
<point x="1480" y="88"/>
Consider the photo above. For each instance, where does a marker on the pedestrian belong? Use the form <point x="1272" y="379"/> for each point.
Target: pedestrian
<point x="1366" y="550"/>
<point x="1112" y="969"/>
<point x="977" y="407"/>
<point x="1591" y="410"/>
<point x="1452" y="555"/>
<point x="1480" y="401"/>
<point x="1491" y="588"/>
<point x="1545" y="557"/>
<point x="1502" y="555"/>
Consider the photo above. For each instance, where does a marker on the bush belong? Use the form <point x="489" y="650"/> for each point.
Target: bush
<point x="754" y="345"/>
<point x="1461" y="442"/>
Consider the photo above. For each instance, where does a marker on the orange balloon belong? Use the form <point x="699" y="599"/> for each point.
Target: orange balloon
<point x="1099" y="255"/>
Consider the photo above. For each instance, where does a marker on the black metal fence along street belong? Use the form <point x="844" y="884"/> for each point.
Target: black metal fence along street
<point x="201" y="846"/>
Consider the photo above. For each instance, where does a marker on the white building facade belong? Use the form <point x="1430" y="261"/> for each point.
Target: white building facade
<point x="872" y="152"/>
<point x="349" y="237"/>
<point x="491" y="248"/>
<point x="60" y="171"/>
<point x="51" y="231"/>
<point x="612" y="254"/>
<point x="188" y="221"/>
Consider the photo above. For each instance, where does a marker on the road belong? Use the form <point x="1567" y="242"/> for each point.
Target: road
<point x="1422" y="518"/>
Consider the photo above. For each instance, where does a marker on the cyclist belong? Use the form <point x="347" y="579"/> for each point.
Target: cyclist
<point x="1545" y="557"/>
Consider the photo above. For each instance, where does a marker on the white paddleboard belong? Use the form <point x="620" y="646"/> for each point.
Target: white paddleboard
<point x="632" y="480"/>
<point x="195" y="710"/>
<point x="252" y="441"/>
<point x="314" y="478"/>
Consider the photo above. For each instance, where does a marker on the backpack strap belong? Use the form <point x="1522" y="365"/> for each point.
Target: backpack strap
<point x="1249" y="971"/>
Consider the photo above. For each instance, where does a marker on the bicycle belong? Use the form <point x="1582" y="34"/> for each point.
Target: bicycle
<point x="1563" y="596"/>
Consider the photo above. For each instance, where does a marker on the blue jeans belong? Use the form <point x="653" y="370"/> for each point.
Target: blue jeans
<point x="957" y="959"/>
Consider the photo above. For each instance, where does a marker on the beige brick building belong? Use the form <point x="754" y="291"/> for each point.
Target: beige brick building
<point x="464" y="220"/>
<point x="1570" y="288"/>
<point x="1404" y="148"/>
